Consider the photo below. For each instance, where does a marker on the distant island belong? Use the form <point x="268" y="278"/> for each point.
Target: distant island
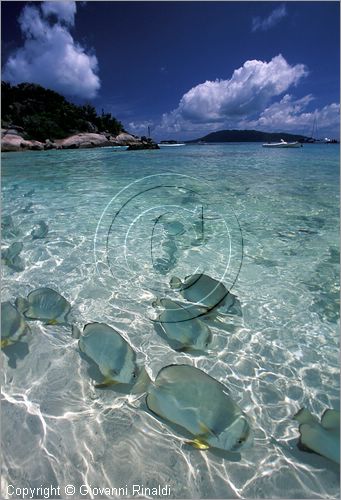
<point x="37" y="118"/>
<point x="248" y="136"/>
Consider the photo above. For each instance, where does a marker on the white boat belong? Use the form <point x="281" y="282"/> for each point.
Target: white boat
<point x="162" y="145"/>
<point x="282" y="144"/>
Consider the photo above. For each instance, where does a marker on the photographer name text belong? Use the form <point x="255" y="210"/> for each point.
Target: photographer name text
<point x="89" y="491"/>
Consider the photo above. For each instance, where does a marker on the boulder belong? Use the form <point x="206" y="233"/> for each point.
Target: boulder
<point x="125" y="139"/>
<point x="12" y="139"/>
<point x="144" y="143"/>
<point x="14" y="142"/>
<point x="83" y="140"/>
<point x="49" y="144"/>
<point x="36" y="145"/>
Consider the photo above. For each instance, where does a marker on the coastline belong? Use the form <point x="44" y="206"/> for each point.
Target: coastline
<point x="13" y="140"/>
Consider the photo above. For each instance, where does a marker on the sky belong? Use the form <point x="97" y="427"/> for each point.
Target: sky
<point x="184" y="68"/>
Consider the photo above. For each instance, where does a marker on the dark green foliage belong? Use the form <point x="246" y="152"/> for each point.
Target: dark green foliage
<point x="45" y="114"/>
<point x="249" y="136"/>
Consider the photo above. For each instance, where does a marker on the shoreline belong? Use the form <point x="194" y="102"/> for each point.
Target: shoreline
<point x="12" y="140"/>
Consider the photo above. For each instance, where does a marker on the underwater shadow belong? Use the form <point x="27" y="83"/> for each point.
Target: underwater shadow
<point x="16" y="352"/>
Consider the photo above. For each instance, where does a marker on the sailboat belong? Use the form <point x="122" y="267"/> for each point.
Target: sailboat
<point x="314" y="136"/>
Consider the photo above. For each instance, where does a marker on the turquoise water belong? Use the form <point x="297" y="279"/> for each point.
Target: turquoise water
<point x="264" y="221"/>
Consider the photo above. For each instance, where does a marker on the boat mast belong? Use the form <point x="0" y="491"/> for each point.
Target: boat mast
<point x="314" y="131"/>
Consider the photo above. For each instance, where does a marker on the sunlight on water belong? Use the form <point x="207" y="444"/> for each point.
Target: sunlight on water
<point x="120" y="225"/>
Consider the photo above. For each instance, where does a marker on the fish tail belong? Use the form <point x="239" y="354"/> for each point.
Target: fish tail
<point x="198" y="443"/>
<point x="107" y="382"/>
<point x="142" y="383"/>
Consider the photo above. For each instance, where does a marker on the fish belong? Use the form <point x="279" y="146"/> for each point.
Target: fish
<point x="28" y="208"/>
<point x="187" y="397"/>
<point x="40" y="231"/>
<point x="10" y="256"/>
<point x="182" y="330"/>
<point x="13" y="325"/>
<point x="113" y="355"/>
<point x="321" y="437"/>
<point x="204" y="290"/>
<point x="8" y="229"/>
<point x="6" y="222"/>
<point x="46" y="305"/>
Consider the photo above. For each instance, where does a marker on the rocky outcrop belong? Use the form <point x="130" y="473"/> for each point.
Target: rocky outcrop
<point x="83" y="140"/>
<point x="125" y="139"/>
<point x="144" y="143"/>
<point x="13" y="139"/>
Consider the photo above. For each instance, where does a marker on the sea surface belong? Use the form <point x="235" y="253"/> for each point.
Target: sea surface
<point x="121" y="224"/>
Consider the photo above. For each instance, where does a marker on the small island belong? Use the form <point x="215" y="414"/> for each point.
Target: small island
<point x="36" y="118"/>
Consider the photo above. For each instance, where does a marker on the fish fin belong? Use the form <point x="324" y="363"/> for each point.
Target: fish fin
<point x="331" y="420"/>
<point x="21" y="304"/>
<point x="5" y="343"/>
<point x="198" y="443"/>
<point x="185" y="348"/>
<point x="52" y="322"/>
<point x="107" y="382"/>
<point x="303" y="416"/>
<point x="142" y="382"/>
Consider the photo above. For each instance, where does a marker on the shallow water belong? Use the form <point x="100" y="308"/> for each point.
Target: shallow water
<point x="264" y="221"/>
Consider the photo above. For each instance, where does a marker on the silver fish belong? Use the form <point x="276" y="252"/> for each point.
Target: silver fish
<point x="204" y="290"/>
<point x="13" y="325"/>
<point x="115" y="358"/>
<point x="191" y="399"/>
<point x="321" y="437"/>
<point x="40" y="231"/>
<point x="10" y="256"/>
<point x="181" y="328"/>
<point x="47" y="305"/>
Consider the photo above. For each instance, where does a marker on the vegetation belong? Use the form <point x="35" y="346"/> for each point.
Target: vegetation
<point x="249" y="136"/>
<point x="45" y="114"/>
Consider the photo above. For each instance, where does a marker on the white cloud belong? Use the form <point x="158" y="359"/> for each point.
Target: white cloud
<point x="64" y="11"/>
<point x="247" y="92"/>
<point x="268" y="22"/>
<point x="291" y="115"/>
<point x="50" y="56"/>
<point x="141" y="128"/>
<point x="256" y="96"/>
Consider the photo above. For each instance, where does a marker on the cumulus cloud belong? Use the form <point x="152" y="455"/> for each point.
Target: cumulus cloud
<point x="290" y="114"/>
<point x="256" y="96"/>
<point x="268" y="22"/>
<point x="64" y="11"/>
<point x="50" y="56"/>
<point x="247" y="92"/>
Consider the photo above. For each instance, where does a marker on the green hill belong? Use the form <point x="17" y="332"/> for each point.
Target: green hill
<point x="45" y="114"/>
<point x="249" y="136"/>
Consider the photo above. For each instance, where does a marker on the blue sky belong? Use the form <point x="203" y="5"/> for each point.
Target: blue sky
<point x="184" y="68"/>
